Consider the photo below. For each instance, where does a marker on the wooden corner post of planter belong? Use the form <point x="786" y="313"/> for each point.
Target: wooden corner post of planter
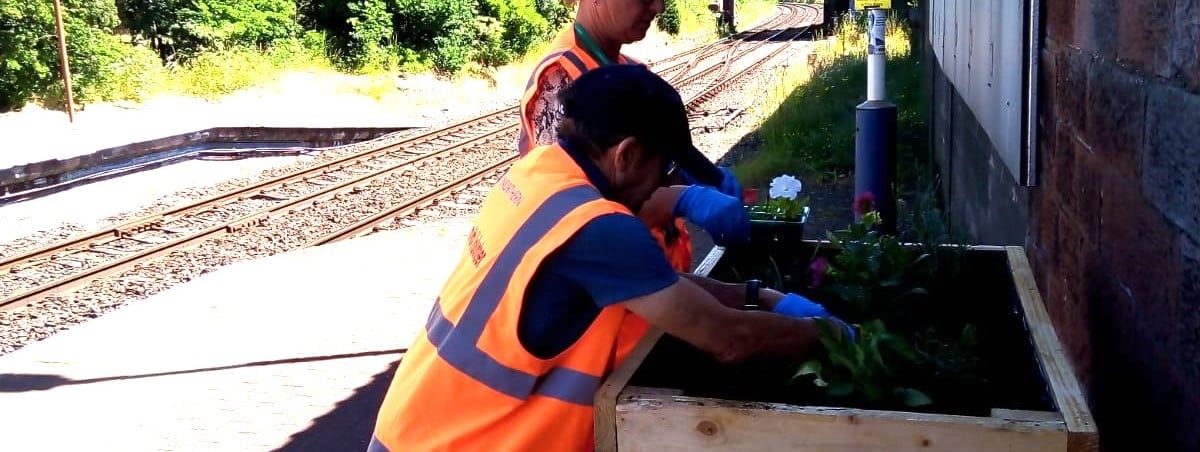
<point x="1068" y="396"/>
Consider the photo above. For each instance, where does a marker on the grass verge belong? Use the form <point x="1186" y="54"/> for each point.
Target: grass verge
<point x="807" y="122"/>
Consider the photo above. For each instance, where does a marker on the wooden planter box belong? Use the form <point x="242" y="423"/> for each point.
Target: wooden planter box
<point x="636" y="411"/>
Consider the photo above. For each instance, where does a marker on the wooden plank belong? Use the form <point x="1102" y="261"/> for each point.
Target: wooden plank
<point x="1026" y="415"/>
<point x="649" y="422"/>
<point x="604" y="415"/>
<point x="1068" y="396"/>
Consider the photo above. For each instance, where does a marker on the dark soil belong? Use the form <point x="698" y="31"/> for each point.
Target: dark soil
<point x="983" y="295"/>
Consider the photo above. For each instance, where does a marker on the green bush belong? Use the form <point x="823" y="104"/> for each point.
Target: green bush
<point x="224" y="24"/>
<point x="371" y="31"/>
<point x="491" y="51"/>
<point x="555" y="12"/>
<point x="103" y="67"/>
<point x="445" y="27"/>
<point x="115" y="71"/>
<point x="26" y="59"/>
<point x="508" y="28"/>
<point x="668" y="21"/>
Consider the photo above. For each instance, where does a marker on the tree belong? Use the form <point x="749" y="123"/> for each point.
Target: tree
<point x="155" y="21"/>
<point x="29" y="50"/>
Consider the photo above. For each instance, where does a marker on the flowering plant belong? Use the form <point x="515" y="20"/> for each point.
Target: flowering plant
<point x="785" y="202"/>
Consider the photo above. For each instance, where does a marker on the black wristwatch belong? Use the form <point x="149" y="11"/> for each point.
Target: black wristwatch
<point x="753" y="289"/>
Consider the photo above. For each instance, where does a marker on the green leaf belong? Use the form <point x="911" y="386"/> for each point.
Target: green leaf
<point x="811" y="367"/>
<point x="912" y="397"/>
<point x="840" y="389"/>
<point x="872" y="391"/>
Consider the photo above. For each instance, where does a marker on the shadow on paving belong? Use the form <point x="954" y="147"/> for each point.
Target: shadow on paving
<point x="42" y="382"/>
<point x="348" y="426"/>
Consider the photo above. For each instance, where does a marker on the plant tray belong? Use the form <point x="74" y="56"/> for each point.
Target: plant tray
<point x="668" y="396"/>
<point x="773" y="232"/>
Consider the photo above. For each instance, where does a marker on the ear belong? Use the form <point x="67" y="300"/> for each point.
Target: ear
<point x="627" y="153"/>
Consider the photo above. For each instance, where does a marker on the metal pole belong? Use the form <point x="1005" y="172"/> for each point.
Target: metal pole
<point x="62" y="59"/>
<point x="875" y="137"/>
<point x="876" y="55"/>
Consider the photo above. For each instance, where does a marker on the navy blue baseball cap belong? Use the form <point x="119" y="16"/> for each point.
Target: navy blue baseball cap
<point x="624" y="100"/>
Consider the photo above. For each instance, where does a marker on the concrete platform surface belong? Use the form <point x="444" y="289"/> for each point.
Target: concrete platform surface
<point x="291" y="352"/>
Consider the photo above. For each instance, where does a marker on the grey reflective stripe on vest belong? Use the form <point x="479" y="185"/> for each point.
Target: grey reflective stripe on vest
<point x="456" y="344"/>
<point x="376" y="446"/>
<point x="574" y="59"/>
<point x="571" y="56"/>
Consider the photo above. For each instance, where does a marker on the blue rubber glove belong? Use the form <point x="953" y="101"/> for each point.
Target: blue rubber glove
<point x="722" y="216"/>
<point x="797" y="306"/>
<point x="729" y="184"/>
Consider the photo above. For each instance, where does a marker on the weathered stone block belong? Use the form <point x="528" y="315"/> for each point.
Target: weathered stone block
<point x="1071" y="86"/>
<point x="1096" y="26"/>
<point x="1047" y="95"/>
<point x="1187" y="358"/>
<point x="1116" y="115"/>
<point x="1044" y="227"/>
<point x="1171" y="163"/>
<point x="1143" y="32"/>
<point x="1060" y="165"/>
<point x="1184" y="47"/>
<point x="1088" y="169"/>
<point x="1060" y="21"/>
<point x="1142" y="250"/>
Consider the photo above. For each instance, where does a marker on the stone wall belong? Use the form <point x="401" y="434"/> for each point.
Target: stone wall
<point x="1113" y="226"/>
<point x="1114" y="232"/>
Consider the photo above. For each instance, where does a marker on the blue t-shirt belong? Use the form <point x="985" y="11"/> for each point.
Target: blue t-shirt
<point x="613" y="258"/>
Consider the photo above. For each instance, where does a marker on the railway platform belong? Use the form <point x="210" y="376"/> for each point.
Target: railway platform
<point x="292" y="352"/>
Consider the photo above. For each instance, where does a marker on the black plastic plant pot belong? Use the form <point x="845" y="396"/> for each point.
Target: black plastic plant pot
<point x="771" y="232"/>
<point x="776" y="233"/>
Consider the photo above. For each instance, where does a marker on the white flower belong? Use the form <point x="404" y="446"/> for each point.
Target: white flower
<point x="785" y="186"/>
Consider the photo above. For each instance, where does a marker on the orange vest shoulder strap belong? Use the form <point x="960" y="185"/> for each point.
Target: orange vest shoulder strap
<point x="571" y="61"/>
<point x="456" y="343"/>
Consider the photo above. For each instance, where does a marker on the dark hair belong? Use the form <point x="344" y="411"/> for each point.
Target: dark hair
<point x="595" y="139"/>
<point x="606" y="105"/>
<point x="611" y="103"/>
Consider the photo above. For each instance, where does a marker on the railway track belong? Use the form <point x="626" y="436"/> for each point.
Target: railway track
<point x="371" y="166"/>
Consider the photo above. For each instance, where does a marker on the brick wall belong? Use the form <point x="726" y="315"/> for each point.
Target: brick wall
<point x="1114" y="231"/>
<point x="1113" y="226"/>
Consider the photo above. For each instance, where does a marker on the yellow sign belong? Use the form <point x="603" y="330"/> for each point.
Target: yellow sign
<point x="868" y="4"/>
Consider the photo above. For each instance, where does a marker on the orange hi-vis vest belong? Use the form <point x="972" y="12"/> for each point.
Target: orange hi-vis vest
<point x="466" y="382"/>
<point x="566" y="52"/>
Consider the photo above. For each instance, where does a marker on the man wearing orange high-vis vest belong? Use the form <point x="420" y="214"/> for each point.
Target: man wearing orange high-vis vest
<point x="601" y="27"/>
<point x="527" y="325"/>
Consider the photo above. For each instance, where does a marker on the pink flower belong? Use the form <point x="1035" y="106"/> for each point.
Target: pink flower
<point x="865" y="203"/>
<point x="819" y="268"/>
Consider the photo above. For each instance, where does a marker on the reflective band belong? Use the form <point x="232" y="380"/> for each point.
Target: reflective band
<point x="376" y="446"/>
<point x="574" y="59"/>
<point x="456" y="344"/>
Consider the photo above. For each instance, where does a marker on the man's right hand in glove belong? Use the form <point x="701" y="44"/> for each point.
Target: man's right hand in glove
<point x="797" y="306"/>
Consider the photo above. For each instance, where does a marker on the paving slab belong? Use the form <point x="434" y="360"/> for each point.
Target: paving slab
<point x="291" y="352"/>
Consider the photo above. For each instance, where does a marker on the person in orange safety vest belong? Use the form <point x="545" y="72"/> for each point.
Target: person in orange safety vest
<point x="527" y="325"/>
<point x="595" y="39"/>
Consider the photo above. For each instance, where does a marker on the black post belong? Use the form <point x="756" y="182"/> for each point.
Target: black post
<point x="728" y="14"/>
<point x="875" y="158"/>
